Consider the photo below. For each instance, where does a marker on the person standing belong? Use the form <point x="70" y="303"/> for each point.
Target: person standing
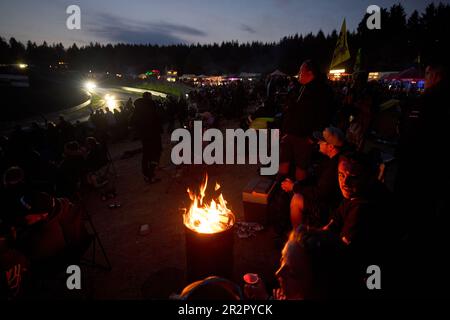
<point x="422" y="182"/>
<point x="147" y="123"/>
<point x="311" y="111"/>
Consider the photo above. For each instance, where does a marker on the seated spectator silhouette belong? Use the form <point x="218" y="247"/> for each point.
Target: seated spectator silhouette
<point x="13" y="189"/>
<point x="96" y="160"/>
<point x="14" y="268"/>
<point x="309" y="269"/>
<point x="364" y="223"/>
<point x="358" y="219"/>
<point x="43" y="226"/>
<point x="312" y="203"/>
<point x="56" y="234"/>
<point x="71" y="170"/>
<point x="211" y="288"/>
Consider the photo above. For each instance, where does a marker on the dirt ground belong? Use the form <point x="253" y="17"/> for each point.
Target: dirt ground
<point x="152" y="266"/>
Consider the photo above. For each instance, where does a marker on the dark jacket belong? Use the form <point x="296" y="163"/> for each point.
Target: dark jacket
<point x="423" y="166"/>
<point x="424" y="127"/>
<point x="325" y="191"/>
<point x="366" y="222"/>
<point x="146" y="120"/>
<point x="312" y="111"/>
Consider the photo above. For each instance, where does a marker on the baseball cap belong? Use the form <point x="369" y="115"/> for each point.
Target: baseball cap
<point x="331" y="135"/>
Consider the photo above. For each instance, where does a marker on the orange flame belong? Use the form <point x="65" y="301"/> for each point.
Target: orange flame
<point x="208" y="218"/>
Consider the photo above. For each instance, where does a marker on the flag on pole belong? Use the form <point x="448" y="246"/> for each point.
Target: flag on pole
<point x="341" y="52"/>
<point x="357" y="66"/>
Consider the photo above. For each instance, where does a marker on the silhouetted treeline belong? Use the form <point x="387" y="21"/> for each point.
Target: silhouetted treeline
<point x="398" y="44"/>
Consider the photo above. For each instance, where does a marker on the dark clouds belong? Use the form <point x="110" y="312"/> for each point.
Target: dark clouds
<point x="144" y="21"/>
<point x="117" y="29"/>
<point x="247" y="28"/>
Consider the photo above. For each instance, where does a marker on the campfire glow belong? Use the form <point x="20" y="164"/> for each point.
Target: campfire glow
<point x="208" y="218"/>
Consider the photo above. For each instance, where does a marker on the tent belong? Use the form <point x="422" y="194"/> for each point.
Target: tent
<point x="278" y="73"/>
<point x="412" y="73"/>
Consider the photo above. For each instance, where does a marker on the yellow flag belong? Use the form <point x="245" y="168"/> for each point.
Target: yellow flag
<point x="341" y="53"/>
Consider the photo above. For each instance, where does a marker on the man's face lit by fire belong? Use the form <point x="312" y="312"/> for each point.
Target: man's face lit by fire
<point x="351" y="178"/>
<point x="305" y="75"/>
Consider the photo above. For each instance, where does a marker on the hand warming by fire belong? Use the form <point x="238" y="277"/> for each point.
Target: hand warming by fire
<point x="208" y="218"/>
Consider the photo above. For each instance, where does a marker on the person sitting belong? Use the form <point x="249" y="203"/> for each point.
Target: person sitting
<point x="358" y="219"/>
<point x="211" y="288"/>
<point x="96" y="160"/>
<point x="14" y="268"/>
<point x="96" y="156"/>
<point x="312" y="204"/>
<point x="365" y="221"/>
<point x="71" y="170"/>
<point x="15" y="188"/>
<point x="42" y="226"/>
<point x="309" y="268"/>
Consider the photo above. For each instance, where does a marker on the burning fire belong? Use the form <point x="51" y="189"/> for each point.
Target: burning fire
<point x="208" y="218"/>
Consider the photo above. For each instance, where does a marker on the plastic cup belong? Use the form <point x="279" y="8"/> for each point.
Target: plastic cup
<point x="251" y="278"/>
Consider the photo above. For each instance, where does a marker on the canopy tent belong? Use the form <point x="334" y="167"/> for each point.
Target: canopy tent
<point x="278" y="73"/>
<point x="412" y="73"/>
<point x="390" y="76"/>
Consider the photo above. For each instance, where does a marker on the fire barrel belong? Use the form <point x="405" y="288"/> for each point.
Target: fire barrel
<point x="209" y="254"/>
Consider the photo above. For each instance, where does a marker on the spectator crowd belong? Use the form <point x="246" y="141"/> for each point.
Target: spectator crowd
<point x="333" y="211"/>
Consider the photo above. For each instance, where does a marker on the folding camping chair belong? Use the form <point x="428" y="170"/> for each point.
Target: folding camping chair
<point x="96" y="242"/>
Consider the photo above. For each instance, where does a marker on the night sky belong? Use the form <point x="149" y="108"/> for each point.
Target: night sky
<point x="181" y="21"/>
